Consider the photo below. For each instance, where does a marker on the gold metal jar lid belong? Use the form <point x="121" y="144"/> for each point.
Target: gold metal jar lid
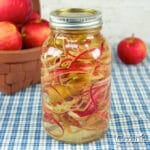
<point x="75" y="19"/>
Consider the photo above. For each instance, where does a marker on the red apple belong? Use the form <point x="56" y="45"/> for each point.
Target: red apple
<point x="10" y="38"/>
<point x="16" y="11"/>
<point x="132" y="50"/>
<point x="35" y="15"/>
<point x="35" y="33"/>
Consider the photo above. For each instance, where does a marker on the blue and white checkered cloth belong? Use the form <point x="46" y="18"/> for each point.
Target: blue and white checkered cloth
<point x="129" y="128"/>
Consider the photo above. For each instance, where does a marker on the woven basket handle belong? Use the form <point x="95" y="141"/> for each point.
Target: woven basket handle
<point x="36" y="6"/>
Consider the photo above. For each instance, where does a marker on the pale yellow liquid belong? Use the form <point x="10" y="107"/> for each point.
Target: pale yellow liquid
<point x="65" y="92"/>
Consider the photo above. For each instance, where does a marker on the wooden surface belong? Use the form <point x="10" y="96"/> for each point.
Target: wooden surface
<point x="36" y="6"/>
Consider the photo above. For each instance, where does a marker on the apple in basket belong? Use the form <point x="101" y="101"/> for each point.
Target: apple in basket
<point x="16" y="11"/>
<point x="35" y="32"/>
<point x="10" y="38"/>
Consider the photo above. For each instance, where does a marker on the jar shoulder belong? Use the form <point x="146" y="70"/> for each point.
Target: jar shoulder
<point x="76" y="41"/>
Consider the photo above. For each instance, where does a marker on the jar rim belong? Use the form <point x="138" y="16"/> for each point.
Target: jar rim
<point x="75" y="18"/>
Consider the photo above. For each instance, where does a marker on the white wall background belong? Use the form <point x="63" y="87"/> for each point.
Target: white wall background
<point x="121" y="17"/>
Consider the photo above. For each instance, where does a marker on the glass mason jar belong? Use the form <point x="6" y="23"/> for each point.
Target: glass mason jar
<point x="75" y="76"/>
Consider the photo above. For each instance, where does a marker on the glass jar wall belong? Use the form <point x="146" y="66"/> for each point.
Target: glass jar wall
<point x="75" y="76"/>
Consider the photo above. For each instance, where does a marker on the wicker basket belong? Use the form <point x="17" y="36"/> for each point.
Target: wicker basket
<point x="19" y="69"/>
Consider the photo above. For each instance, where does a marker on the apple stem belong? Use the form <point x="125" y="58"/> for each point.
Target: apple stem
<point x="23" y="35"/>
<point x="132" y="39"/>
<point x="38" y="20"/>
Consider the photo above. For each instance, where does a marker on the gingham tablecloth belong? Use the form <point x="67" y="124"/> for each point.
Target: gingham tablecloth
<point x="129" y="128"/>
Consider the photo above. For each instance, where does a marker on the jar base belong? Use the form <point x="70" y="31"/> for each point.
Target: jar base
<point x="83" y="136"/>
<point x="75" y="135"/>
<point x="79" y="141"/>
